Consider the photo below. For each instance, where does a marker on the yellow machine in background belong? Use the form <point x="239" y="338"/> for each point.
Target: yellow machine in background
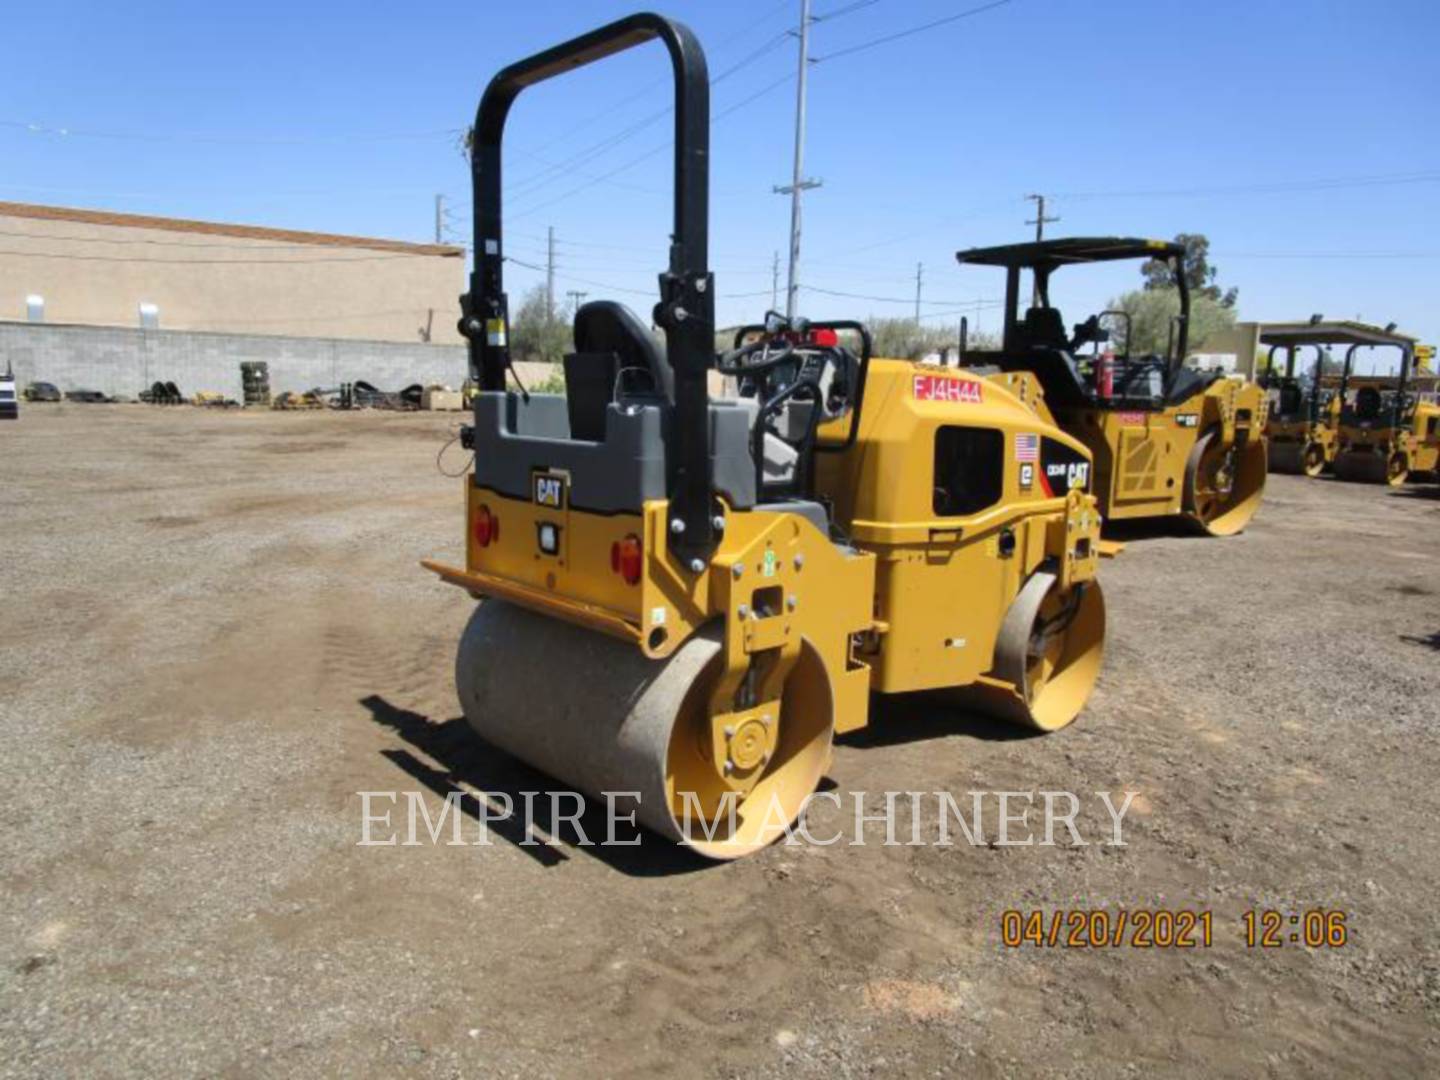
<point x="1166" y="439"/>
<point x="686" y="598"/>
<point x="1302" y="424"/>
<point x="1381" y="428"/>
<point x="1425" y="427"/>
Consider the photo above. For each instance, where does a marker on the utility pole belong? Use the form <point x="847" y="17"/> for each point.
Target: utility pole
<point x="575" y="296"/>
<point x="919" y="281"/>
<point x="798" y="183"/>
<point x="550" y="276"/>
<point x="439" y="219"/>
<point x="1040" y="222"/>
<point x="775" y="283"/>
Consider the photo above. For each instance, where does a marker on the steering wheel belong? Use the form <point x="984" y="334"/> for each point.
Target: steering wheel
<point x="756" y="358"/>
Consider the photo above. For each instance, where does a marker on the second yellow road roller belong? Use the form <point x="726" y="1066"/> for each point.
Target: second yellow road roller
<point x="686" y="597"/>
<point x="1381" y="431"/>
<point x="1167" y="439"/>
<point x="1300" y="426"/>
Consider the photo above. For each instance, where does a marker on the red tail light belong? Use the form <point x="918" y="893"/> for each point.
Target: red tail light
<point x="626" y="559"/>
<point x="486" y="526"/>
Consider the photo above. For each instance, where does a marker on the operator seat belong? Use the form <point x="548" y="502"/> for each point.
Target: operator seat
<point x="1044" y="347"/>
<point x="615" y="358"/>
<point x="1292" y="399"/>
<point x="1368" y="403"/>
<point x="1044" y="328"/>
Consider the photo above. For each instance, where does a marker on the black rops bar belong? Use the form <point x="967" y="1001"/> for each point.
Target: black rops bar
<point x="686" y="310"/>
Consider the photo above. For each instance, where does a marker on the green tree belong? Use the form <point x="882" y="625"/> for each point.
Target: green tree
<point x="1151" y="312"/>
<point x="904" y="339"/>
<point x="1199" y="274"/>
<point x="537" y="335"/>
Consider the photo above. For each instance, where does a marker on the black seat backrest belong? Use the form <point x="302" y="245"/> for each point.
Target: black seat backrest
<point x="615" y="356"/>
<point x="1292" y="399"/>
<point x="1040" y="345"/>
<point x="1368" y="402"/>
<point x="603" y="326"/>
<point x="1044" y="328"/>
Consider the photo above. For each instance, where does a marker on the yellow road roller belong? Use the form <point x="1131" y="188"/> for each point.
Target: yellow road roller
<point x="1302" y="421"/>
<point x="684" y="598"/>
<point x="1381" y="430"/>
<point x="1167" y="439"/>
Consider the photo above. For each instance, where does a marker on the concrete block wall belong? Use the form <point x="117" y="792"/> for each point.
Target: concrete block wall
<point x="122" y="360"/>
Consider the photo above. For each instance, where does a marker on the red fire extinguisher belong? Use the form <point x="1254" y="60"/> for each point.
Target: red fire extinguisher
<point x="1105" y="375"/>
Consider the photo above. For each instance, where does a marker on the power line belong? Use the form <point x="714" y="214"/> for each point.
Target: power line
<point x="971" y="310"/>
<point x="204" y="262"/>
<point x="992" y="209"/>
<point x="645" y="89"/>
<point x="526" y="212"/>
<point x="257" y="244"/>
<point x="561" y="275"/>
<point x="897" y="299"/>
<point x="1329" y="254"/>
<point x="846" y="10"/>
<point x="530" y="184"/>
<point x="35" y="128"/>
<point x="913" y="30"/>
<point x="1263" y="188"/>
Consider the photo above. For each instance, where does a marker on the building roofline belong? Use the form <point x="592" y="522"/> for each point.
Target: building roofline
<point x="214" y="228"/>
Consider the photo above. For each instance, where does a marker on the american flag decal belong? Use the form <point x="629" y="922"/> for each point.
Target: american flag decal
<point x="1027" y="447"/>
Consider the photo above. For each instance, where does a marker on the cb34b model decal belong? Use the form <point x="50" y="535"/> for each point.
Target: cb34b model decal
<point x="1061" y="469"/>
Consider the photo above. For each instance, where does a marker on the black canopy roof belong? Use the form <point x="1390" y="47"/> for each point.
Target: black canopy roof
<point x="1048" y="254"/>
<point x="1333" y="332"/>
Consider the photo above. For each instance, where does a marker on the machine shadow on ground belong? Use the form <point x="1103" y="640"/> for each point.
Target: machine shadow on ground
<point x="911" y="718"/>
<point x="1139" y="529"/>
<point x="469" y="764"/>
<point x="1426" y="492"/>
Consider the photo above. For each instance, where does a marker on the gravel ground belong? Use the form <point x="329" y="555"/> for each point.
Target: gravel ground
<point x="216" y="635"/>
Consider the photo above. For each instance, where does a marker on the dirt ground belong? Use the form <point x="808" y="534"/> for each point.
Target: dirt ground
<point x="215" y="634"/>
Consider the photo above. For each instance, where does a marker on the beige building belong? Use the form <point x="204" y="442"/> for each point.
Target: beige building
<point x="98" y="268"/>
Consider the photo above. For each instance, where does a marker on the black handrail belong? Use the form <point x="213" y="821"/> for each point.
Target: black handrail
<point x="686" y="310"/>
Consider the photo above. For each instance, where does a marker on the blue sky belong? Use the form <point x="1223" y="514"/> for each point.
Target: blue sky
<point x="1301" y="137"/>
